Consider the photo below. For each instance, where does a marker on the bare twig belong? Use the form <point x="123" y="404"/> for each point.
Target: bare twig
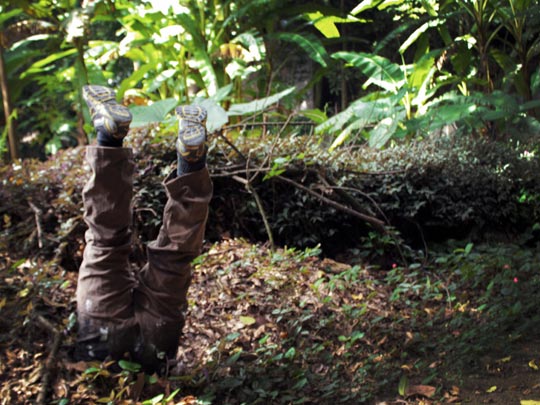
<point x="377" y="223"/>
<point x="262" y="124"/>
<point x="383" y="173"/>
<point x="247" y="182"/>
<point x="225" y="173"/>
<point x="258" y="201"/>
<point x="365" y="195"/>
<point x="153" y="211"/>
<point x="260" y="206"/>
<point x="37" y="218"/>
<point x="232" y="145"/>
<point x="47" y="367"/>
<point x="269" y="154"/>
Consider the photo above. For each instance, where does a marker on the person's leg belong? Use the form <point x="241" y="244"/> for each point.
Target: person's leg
<point x="105" y="285"/>
<point x="160" y="298"/>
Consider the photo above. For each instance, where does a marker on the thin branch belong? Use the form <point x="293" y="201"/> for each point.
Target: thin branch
<point x="384" y="173"/>
<point x="337" y="188"/>
<point x="225" y="173"/>
<point x="232" y="145"/>
<point x="377" y="223"/>
<point x="262" y="124"/>
<point x="258" y="201"/>
<point x="342" y="192"/>
<point x="46" y="369"/>
<point x="276" y="140"/>
<point x="260" y="206"/>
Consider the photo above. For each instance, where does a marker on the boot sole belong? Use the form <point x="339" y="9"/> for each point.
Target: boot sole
<point x="104" y="109"/>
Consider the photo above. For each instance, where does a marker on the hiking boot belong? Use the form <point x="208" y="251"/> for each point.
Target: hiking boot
<point x="109" y="118"/>
<point x="191" y="133"/>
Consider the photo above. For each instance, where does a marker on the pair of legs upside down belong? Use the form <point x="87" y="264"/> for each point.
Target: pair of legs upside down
<point x="138" y="311"/>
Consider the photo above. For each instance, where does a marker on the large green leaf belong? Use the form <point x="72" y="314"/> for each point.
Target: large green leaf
<point x="315" y="115"/>
<point x="365" y="5"/>
<point x="4" y="16"/>
<point x="156" y="112"/>
<point x="448" y="114"/>
<point x="259" y="104"/>
<point x="529" y="105"/>
<point x="308" y="43"/>
<point x="217" y="116"/>
<point x="131" y="81"/>
<point x="160" y="79"/>
<point x="326" y="24"/>
<point x="38" y="66"/>
<point x="418" y="32"/>
<point x="420" y="81"/>
<point x="199" y="47"/>
<point x="383" y="131"/>
<point x="380" y="71"/>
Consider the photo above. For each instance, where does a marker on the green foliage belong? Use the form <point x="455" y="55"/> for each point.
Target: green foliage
<point x="302" y="328"/>
<point x="420" y="93"/>
<point x="436" y="73"/>
<point x="444" y="186"/>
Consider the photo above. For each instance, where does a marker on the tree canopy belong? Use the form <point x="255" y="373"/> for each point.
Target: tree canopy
<point x="370" y="71"/>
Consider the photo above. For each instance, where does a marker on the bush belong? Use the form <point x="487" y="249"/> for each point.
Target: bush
<point x="443" y="186"/>
<point x="438" y="188"/>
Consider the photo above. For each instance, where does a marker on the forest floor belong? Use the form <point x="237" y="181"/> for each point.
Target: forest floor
<point x="290" y="327"/>
<point x="511" y="379"/>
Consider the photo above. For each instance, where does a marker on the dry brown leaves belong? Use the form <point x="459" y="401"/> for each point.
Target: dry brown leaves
<point x="277" y="325"/>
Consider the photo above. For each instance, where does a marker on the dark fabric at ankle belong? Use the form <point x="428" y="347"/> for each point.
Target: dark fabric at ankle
<point x="105" y="139"/>
<point x="186" y="167"/>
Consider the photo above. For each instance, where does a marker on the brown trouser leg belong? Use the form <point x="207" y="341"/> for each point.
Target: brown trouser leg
<point x="160" y="298"/>
<point x="105" y="286"/>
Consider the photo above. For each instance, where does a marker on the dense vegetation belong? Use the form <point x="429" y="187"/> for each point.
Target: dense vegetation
<point x="381" y="69"/>
<point x="398" y="137"/>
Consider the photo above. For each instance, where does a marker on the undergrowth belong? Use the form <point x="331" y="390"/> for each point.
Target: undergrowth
<point x="288" y="326"/>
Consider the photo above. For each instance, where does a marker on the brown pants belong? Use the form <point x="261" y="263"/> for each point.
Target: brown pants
<point x="141" y="312"/>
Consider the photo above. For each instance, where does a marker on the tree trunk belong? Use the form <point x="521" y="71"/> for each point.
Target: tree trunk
<point x="12" y="136"/>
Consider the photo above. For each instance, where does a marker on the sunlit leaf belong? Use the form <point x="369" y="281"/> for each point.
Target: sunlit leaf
<point x="315" y="115"/>
<point x="217" y="116"/>
<point x="379" y="70"/>
<point x="259" y="104"/>
<point x="173" y="394"/>
<point x="247" y="320"/>
<point x="129" y="366"/>
<point x="155" y="400"/>
<point x="155" y="112"/>
<point x="290" y="353"/>
<point x="382" y="132"/>
<point x="491" y="389"/>
<point x="403" y="384"/>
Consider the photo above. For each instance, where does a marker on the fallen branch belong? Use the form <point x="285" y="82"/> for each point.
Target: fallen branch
<point x="37" y="218"/>
<point x="46" y="369"/>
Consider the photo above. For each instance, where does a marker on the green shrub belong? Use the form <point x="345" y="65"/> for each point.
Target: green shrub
<point x="442" y="187"/>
